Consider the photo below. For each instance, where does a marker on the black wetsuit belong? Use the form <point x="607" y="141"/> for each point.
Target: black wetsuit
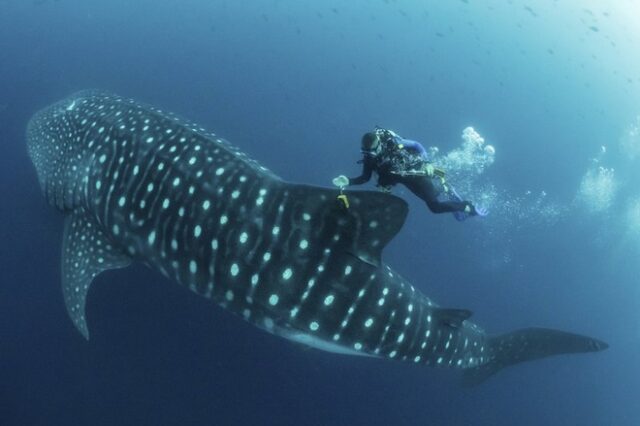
<point x="421" y="185"/>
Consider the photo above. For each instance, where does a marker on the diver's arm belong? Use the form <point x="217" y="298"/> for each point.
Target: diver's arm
<point x="365" y="176"/>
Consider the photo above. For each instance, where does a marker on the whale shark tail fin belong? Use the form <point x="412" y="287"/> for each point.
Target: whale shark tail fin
<point x="527" y="345"/>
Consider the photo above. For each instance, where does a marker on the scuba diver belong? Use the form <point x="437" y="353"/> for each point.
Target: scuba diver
<point x="396" y="160"/>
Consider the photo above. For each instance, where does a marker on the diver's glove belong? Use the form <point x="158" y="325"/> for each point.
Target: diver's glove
<point x="341" y="181"/>
<point x="429" y="169"/>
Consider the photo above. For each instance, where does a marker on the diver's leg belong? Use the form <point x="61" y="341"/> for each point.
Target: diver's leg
<point x="423" y="188"/>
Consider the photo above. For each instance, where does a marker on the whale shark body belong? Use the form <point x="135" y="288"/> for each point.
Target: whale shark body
<point x="139" y="184"/>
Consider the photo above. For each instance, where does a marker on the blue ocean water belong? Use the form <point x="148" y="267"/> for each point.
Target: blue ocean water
<point x="553" y="86"/>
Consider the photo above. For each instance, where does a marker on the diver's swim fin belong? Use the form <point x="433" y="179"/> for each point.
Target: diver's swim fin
<point x="461" y="216"/>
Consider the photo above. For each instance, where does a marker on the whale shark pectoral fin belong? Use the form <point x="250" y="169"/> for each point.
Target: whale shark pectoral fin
<point x="86" y="252"/>
<point x="452" y="317"/>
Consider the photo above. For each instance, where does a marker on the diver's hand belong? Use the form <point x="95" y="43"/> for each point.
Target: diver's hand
<point x="341" y="181"/>
<point x="472" y="210"/>
<point x="429" y="170"/>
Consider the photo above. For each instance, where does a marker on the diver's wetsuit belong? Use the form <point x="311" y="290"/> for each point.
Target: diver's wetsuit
<point x="421" y="185"/>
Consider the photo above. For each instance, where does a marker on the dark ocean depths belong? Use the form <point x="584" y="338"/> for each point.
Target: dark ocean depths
<point x="554" y="88"/>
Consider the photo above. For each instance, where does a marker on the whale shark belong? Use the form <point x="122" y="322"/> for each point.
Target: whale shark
<point x="139" y="184"/>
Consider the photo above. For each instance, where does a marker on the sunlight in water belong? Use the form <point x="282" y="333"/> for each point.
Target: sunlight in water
<point x="633" y="216"/>
<point x="630" y="141"/>
<point x="598" y="186"/>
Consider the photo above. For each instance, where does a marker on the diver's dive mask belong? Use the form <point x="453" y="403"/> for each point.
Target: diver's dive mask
<point x="374" y="150"/>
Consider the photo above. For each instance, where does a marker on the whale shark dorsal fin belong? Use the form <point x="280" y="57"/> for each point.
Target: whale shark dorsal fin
<point x="363" y="228"/>
<point x="376" y="219"/>
<point x="86" y="252"/>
